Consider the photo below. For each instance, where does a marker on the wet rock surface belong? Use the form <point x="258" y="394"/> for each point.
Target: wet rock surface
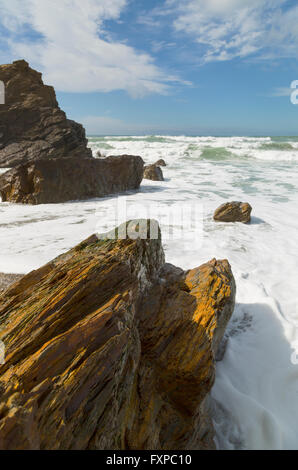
<point x="66" y="179"/>
<point x="233" y="212"/>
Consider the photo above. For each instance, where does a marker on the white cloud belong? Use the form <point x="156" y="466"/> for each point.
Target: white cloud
<point x="226" y="29"/>
<point x="281" y="91"/>
<point x="74" y="51"/>
<point x="157" y="46"/>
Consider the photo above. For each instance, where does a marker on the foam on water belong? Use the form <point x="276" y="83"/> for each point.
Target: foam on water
<point x="255" y="397"/>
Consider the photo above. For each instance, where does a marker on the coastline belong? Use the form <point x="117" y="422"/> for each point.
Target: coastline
<point x="211" y="171"/>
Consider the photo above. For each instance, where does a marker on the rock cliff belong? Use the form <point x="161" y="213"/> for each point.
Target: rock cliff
<point x="32" y="126"/>
<point x="47" y="152"/>
<point x="65" y="179"/>
<point x="108" y="347"/>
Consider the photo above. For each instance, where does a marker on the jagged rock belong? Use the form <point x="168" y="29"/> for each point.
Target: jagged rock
<point x="59" y="180"/>
<point x="153" y="172"/>
<point x="233" y="212"/>
<point x="108" y="347"/>
<point x="160" y="162"/>
<point x="32" y="126"/>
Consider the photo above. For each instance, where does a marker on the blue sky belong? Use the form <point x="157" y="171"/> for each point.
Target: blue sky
<point x="221" y="67"/>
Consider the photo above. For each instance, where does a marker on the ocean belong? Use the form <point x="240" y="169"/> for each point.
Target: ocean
<point x="255" y="397"/>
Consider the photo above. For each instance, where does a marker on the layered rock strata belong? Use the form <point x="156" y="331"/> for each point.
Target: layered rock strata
<point x="108" y="347"/>
<point x="65" y="179"/>
<point x="32" y="126"/>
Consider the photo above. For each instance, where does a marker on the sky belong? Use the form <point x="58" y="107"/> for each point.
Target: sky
<point x="193" y="67"/>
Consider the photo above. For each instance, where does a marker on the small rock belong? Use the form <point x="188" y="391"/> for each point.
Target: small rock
<point x="233" y="212"/>
<point x="153" y="172"/>
<point x="160" y="162"/>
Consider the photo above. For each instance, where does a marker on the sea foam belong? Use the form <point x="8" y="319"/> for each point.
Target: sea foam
<point x="255" y="400"/>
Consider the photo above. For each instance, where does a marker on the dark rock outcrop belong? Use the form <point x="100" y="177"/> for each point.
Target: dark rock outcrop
<point x="153" y="172"/>
<point x="32" y="126"/>
<point x="108" y="347"/>
<point x="233" y="212"/>
<point x="64" y="179"/>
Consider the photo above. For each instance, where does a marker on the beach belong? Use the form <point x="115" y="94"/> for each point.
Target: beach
<point x="255" y="394"/>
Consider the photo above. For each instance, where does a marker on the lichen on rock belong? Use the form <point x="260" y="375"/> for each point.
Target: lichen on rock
<point x="109" y="347"/>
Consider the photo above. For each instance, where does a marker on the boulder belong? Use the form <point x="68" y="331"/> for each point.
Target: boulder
<point x="160" y="162"/>
<point x="233" y="212"/>
<point x="153" y="172"/>
<point x="108" y="347"/>
<point x="32" y="126"/>
<point x="65" y="179"/>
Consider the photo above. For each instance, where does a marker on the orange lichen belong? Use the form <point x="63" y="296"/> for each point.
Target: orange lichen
<point x="100" y="357"/>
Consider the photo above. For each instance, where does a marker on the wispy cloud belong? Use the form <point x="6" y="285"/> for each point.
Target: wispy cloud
<point x="73" y="49"/>
<point x="281" y="91"/>
<point x="228" y="29"/>
<point x="148" y="20"/>
<point x="158" y="46"/>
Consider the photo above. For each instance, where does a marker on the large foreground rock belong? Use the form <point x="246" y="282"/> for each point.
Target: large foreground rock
<point x="32" y="126"/>
<point x="233" y="212"/>
<point x="65" y="179"/>
<point x="108" y="347"/>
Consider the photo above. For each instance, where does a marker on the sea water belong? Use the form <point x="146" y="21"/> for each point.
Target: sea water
<point x="255" y="397"/>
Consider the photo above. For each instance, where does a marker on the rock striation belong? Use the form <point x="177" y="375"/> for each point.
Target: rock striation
<point x="65" y="179"/>
<point x="32" y="126"/>
<point x="108" y="347"/>
<point x="233" y="212"/>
